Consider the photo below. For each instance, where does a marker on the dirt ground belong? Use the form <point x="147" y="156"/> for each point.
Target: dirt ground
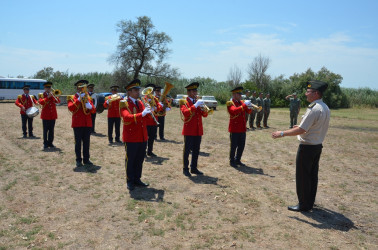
<point x="45" y="204"/>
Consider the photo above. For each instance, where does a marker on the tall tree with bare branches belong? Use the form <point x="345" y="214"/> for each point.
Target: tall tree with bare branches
<point x="234" y="76"/>
<point x="257" y="72"/>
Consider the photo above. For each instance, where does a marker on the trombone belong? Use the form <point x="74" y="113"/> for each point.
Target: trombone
<point x="56" y="93"/>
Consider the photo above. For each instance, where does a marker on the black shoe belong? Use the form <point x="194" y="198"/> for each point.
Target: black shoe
<point x="239" y="163"/>
<point x="151" y="154"/>
<point x="52" y="146"/>
<point x="118" y="141"/>
<point x="24" y="136"/>
<point x="45" y="147"/>
<point x="233" y="164"/>
<point x="79" y="164"/>
<point x="31" y="136"/>
<point x="130" y="186"/>
<point x="88" y="163"/>
<point x="186" y="172"/>
<point x="297" y="208"/>
<point x="140" y="183"/>
<point x="162" y="139"/>
<point x="110" y="143"/>
<point x="196" y="171"/>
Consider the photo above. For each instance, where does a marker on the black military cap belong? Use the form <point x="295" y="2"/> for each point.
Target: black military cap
<point x="317" y="85"/>
<point x="157" y="88"/>
<point x="114" y="87"/>
<point x="150" y="85"/>
<point x="91" y="85"/>
<point x="254" y="92"/>
<point x="247" y="91"/>
<point x="134" y="84"/>
<point x="237" y="90"/>
<point x="192" y="86"/>
<point x="47" y="84"/>
<point x="261" y="93"/>
<point x="294" y="93"/>
<point x="26" y="87"/>
<point x="80" y="83"/>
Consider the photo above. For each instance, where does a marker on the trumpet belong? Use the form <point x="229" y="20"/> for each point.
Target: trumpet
<point x="255" y="107"/>
<point x="147" y="92"/>
<point x="205" y="108"/>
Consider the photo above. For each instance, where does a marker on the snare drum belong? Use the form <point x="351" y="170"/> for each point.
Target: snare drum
<point x="32" y="112"/>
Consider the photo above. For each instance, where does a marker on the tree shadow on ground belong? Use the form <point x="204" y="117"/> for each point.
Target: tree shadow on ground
<point x="83" y="169"/>
<point x="250" y="170"/>
<point x="326" y="219"/>
<point x="147" y="194"/>
<point x="204" y="179"/>
<point x="156" y="160"/>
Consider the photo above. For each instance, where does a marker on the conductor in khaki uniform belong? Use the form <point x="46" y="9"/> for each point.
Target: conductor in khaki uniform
<point x="311" y="133"/>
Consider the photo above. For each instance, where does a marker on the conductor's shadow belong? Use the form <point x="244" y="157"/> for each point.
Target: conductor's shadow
<point x="147" y="194"/>
<point x="204" y="179"/>
<point x="156" y="160"/>
<point x="250" y="170"/>
<point x="170" y="141"/>
<point x="83" y="169"/>
<point x="326" y="219"/>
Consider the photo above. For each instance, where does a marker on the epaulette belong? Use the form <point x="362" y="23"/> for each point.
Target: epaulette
<point x="70" y="98"/>
<point x="312" y="105"/>
<point x="123" y="104"/>
<point x="229" y="103"/>
<point x="19" y="96"/>
<point x="32" y="96"/>
<point x="40" y="95"/>
<point x="182" y="102"/>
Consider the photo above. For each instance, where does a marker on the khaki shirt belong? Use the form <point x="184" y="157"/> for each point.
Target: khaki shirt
<point x="316" y="122"/>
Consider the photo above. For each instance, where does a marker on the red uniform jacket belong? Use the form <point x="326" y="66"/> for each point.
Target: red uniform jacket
<point x="192" y="117"/>
<point x="48" y="107"/>
<point x="80" y="118"/>
<point x="26" y="102"/>
<point x="237" y="111"/>
<point x="113" y="107"/>
<point x="134" y="125"/>
<point x="151" y="122"/>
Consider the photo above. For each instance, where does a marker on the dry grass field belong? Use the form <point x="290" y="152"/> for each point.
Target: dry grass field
<point x="44" y="204"/>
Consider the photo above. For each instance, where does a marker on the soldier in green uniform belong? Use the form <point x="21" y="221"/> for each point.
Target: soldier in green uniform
<point x="260" y="103"/>
<point x="266" y="105"/>
<point x="295" y="107"/>
<point x="252" y="115"/>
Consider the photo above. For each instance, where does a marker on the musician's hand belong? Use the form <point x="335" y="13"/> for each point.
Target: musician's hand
<point x="199" y="103"/>
<point x="107" y="101"/>
<point x="161" y="103"/>
<point x="88" y="105"/>
<point x="167" y="109"/>
<point x="23" y="109"/>
<point x="248" y="103"/>
<point x="146" y="111"/>
<point x="50" y="95"/>
<point x="82" y="94"/>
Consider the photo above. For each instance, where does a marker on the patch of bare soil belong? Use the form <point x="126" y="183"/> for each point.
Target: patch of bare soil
<point x="45" y="204"/>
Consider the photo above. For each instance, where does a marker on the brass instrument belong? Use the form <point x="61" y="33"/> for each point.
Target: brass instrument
<point x="114" y="97"/>
<point x="256" y="108"/>
<point x="205" y="108"/>
<point x="148" y="92"/>
<point x="168" y="86"/>
<point x="56" y="93"/>
<point x="85" y="98"/>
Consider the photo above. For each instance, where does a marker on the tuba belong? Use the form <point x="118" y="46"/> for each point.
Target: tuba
<point x="168" y="86"/>
<point x="148" y="92"/>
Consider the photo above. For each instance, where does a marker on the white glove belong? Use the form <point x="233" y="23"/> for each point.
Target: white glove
<point x="199" y="103"/>
<point x="154" y="108"/>
<point x="146" y="111"/>
<point x="248" y="102"/>
<point x="82" y="94"/>
<point x="167" y="109"/>
<point x="161" y="103"/>
<point x="107" y="101"/>
<point x="88" y="105"/>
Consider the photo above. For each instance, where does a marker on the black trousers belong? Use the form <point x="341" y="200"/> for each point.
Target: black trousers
<point x="26" y="119"/>
<point x="161" y="120"/>
<point x="114" y="122"/>
<point x="191" y="144"/>
<point x="259" y="117"/>
<point x="293" y="119"/>
<point x="135" y="153"/>
<point x="152" y="132"/>
<point x="307" y="167"/>
<point x="82" y="136"/>
<point x="48" y="132"/>
<point x="93" y="116"/>
<point x="266" y="116"/>
<point x="237" y="141"/>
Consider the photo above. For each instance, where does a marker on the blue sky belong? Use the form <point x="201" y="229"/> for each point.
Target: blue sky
<point x="208" y="37"/>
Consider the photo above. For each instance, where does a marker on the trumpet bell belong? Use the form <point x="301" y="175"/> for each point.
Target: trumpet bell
<point x="147" y="91"/>
<point x="57" y="92"/>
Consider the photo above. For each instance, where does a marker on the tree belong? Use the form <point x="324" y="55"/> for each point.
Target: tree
<point x="142" y="50"/>
<point x="234" y="76"/>
<point x="257" y="72"/>
<point x="46" y="73"/>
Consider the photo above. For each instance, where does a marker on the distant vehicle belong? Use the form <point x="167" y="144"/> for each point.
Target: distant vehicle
<point x="210" y="101"/>
<point x="175" y="102"/>
<point x="10" y="88"/>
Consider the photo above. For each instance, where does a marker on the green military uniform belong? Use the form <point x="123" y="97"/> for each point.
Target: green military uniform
<point x="295" y="105"/>
<point x="266" y="105"/>
<point x="260" y="103"/>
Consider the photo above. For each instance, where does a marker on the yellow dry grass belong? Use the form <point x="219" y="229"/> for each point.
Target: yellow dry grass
<point x="45" y="204"/>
